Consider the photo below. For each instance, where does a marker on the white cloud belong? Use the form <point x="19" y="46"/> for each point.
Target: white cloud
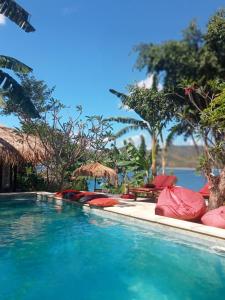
<point x="136" y="139"/>
<point x="2" y="19"/>
<point x="146" y="83"/>
<point x="69" y="10"/>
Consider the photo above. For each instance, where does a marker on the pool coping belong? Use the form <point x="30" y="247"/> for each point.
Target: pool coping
<point x="141" y="212"/>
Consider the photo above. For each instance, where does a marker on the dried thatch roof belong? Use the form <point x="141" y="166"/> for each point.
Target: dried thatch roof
<point x="95" y="170"/>
<point x="16" y="148"/>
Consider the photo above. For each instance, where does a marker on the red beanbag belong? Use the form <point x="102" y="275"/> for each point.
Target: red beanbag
<point x="180" y="203"/>
<point x="103" y="202"/>
<point x="127" y="196"/>
<point x="215" y="218"/>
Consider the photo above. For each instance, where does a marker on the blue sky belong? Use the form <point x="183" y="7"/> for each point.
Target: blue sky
<point x="85" y="47"/>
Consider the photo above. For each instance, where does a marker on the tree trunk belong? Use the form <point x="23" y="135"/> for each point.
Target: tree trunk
<point x="164" y="158"/>
<point x="154" y="149"/>
<point x="217" y="190"/>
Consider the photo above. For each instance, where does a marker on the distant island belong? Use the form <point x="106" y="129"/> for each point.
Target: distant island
<point x="183" y="157"/>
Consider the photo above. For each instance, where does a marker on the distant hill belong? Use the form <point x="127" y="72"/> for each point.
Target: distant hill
<point x="183" y="157"/>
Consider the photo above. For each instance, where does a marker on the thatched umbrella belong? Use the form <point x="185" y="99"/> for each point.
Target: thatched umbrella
<point x="16" y="148"/>
<point x="96" y="170"/>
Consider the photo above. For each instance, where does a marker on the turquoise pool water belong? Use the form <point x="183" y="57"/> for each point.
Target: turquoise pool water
<point x="53" y="251"/>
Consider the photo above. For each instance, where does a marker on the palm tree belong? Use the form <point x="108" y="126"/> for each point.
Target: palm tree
<point x="154" y="110"/>
<point x="12" y="96"/>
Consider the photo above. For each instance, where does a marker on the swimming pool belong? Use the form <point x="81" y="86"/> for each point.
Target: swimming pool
<point x="54" y="250"/>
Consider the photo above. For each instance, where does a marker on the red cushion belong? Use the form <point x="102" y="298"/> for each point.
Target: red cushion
<point x="127" y="196"/>
<point x="161" y="181"/>
<point x="64" y="192"/>
<point x="103" y="202"/>
<point x="78" y="195"/>
<point x="149" y="185"/>
<point x="205" y="190"/>
<point x="215" y="218"/>
<point x="180" y="203"/>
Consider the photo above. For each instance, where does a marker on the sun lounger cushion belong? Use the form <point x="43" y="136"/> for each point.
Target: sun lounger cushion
<point x="64" y="193"/>
<point x="149" y="185"/>
<point x="103" y="202"/>
<point x="79" y="195"/>
<point x="205" y="190"/>
<point x="127" y="196"/>
<point x="162" y="181"/>
<point x="215" y="217"/>
<point x="180" y="203"/>
<point x="87" y="198"/>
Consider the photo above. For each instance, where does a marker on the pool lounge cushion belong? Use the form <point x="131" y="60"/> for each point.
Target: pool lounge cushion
<point x="103" y="202"/>
<point x="78" y="196"/>
<point x="215" y="218"/>
<point x="66" y="193"/>
<point x="180" y="203"/>
<point x="90" y="197"/>
<point x="127" y="196"/>
<point x="205" y="190"/>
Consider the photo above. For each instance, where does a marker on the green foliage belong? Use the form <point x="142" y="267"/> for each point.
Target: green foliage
<point x="215" y="38"/>
<point x="150" y="105"/>
<point x="79" y="184"/>
<point x="214" y="115"/>
<point x="196" y="58"/>
<point x="30" y="180"/>
<point x="12" y="96"/>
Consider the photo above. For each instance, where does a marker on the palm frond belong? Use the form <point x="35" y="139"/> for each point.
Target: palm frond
<point x="13" y="64"/>
<point x="16" y="14"/>
<point x="131" y="121"/>
<point x="126" y="130"/>
<point x="13" y="92"/>
<point x="122" y="96"/>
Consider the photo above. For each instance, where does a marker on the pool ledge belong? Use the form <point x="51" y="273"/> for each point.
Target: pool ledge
<point x="145" y="211"/>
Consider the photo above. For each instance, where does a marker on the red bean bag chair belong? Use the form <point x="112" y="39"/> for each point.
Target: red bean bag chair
<point x="103" y="202"/>
<point x="127" y="196"/>
<point x="215" y="218"/>
<point x="65" y="192"/>
<point x="180" y="203"/>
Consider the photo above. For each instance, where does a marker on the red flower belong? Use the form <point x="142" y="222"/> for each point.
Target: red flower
<point x="188" y="90"/>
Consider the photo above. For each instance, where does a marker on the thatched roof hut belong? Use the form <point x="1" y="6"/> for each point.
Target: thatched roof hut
<point x="17" y="148"/>
<point x="96" y="170"/>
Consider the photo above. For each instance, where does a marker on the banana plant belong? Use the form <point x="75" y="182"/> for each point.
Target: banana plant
<point x="12" y="95"/>
<point x="16" y="14"/>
